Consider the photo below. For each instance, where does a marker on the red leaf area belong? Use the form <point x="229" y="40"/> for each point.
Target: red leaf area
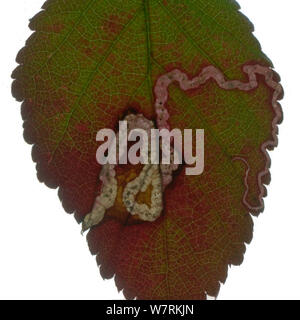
<point x="189" y="246"/>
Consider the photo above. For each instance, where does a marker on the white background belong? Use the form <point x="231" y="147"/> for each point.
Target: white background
<point x="43" y="255"/>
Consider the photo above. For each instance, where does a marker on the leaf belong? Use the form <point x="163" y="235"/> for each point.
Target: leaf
<point x="89" y="63"/>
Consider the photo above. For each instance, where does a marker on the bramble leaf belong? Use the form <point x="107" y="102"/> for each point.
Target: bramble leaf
<point x="90" y="63"/>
